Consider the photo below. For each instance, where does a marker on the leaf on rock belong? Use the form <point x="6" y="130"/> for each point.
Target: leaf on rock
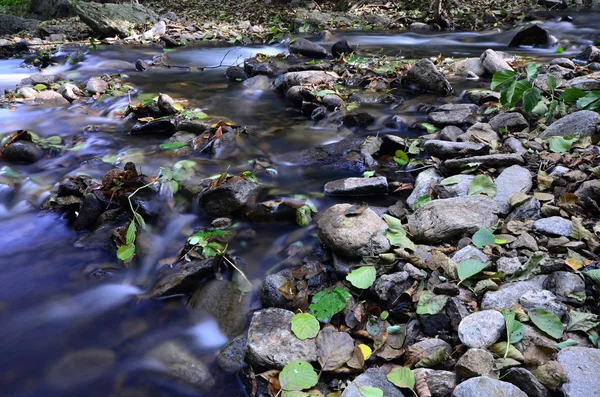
<point x="507" y="350"/>
<point x="363" y="277"/>
<point x="483" y="184"/>
<point x="561" y="144"/>
<point x="402" y="377"/>
<point x="434" y="359"/>
<point x="369" y="391"/>
<point x="547" y="322"/>
<point x="327" y="303"/>
<point x="421" y="201"/>
<point x="567" y="343"/>
<point x="469" y="268"/>
<point x="400" y="157"/>
<point x="334" y="348"/>
<point x="531" y="268"/>
<point x="593" y="275"/>
<point x="305" y="325"/>
<point x="581" y="321"/>
<point x="126" y="251"/>
<point x="453" y="180"/>
<point x="483" y="237"/>
<point x="396" y="234"/>
<point x="429" y="303"/>
<point x="298" y="375"/>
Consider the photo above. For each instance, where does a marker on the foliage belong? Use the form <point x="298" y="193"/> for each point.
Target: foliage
<point x="298" y="375"/>
<point x="396" y="233"/>
<point x="170" y="178"/>
<point x="469" y="268"/>
<point x="483" y="237"/>
<point x="429" y="303"/>
<point x="363" y="277"/>
<point x="305" y="325"/>
<point x="402" y="377"/>
<point x="483" y="184"/>
<point x="326" y="303"/>
<point x="547" y="322"/>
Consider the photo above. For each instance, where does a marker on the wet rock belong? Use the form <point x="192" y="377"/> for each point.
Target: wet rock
<point x="10" y="24"/>
<point x="568" y="287"/>
<point x="307" y="48"/>
<point x="271" y="295"/>
<point x="543" y="299"/>
<point x="27" y="92"/>
<point x="353" y="236"/>
<point x="481" y="97"/>
<point x="450" y="133"/>
<point x="235" y="73"/>
<point x="527" y="382"/>
<point x="112" y="19"/>
<point x="469" y="252"/>
<point x="487" y="161"/>
<point x="466" y="66"/>
<point x="590" y="54"/>
<point x="584" y="83"/>
<point x="533" y="36"/>
<point x="446" y="149"/>
<point x="96" y="86"/>
<point x="231" y="357"/>
<point x="479" y="132"/>
<point x="581" y="123"/>
<point x="423" y="75"/>
<point x="227" y="198"/>
<point x="183" y="277"/>
<point x="22" y="152"/>
<point x="589" y="190"/>
<point x="553" y="226"/>
<point x="70" y="91"/>
<point x="80" y="367"/>
<point x="528" y="210"/>
<point x="358" y="119"/>
<point x="50" y="98"/>
<point x="90" y="211"/>
<point x="140" y="65"/>
<point x="440" y="383"/>
<point x="476" y="362"/>
<point x="332" y="101"/>
<point x="563" y="62"/>
<point x="341" y="47"/>
<point x="512" y="122"/>
<point x="373" y="377"/>
<point x="509" y="293"/>
<point x="448" y="219"/>
<point x="425" y="181"/>
<point x="484" y="386"/>
<point x="481" y="329"/>
<point x="492" y="62"/>
<point x="514" y="179"/>
<point x="357" y="186"/>
<point x="456" y="189"/>
<point x="166" y="104"/>
<point x="308" y="78"/>
<point x="513" y="145"/>
<point x="581" y="365"/>
<point x="453" y="114"/>
<point x="271" y="343"/>
<point x="389" y="287"/>
<point x="181" y="364"/>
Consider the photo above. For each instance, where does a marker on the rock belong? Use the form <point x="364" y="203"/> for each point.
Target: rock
<point x="552" y="375"/>
<point x="88" y="364"/>
<point x="166" y="104"/>
<point x="466" y="66"/>
<point x="423" y="75"/>
<point x="10" y="24"/>
<point x="529" y="210"/>
<point x="389" y="287"/>
<point x="49" y="9"/>
<point x="112" y="19"/>
<point x="236" y="73"/>
<point x="96" y="85"/>
<point x="456" y="189"/>
<point x="481" y="97"/>
<point x="182" y="365"/>
<point x="585" y="83"/>
<point x="299" y="94"/>
<point x="227" y="198"/>
<point x="181" y="278"/>
<point x="589" y="190"/>
<point x="533" y="36"/>
<point x="476" y="362"/>
<point x="514" y="179"/>
<point x="448" y="219"/>
<point x="434" y="324"/>
<point x="450" y="133"/>
<point x="445" y="149"/>
<point x="492" y="62"/>
<point x="487" y="161"/>
<point x="509" y="293"/>
<point x="223" y="301"/>
<point x="568" y="287"/>
<point x="425" y="181"/>
<point x="508" y="266"/>
<point x="526" y="241"/>
<point x="271" y="343"/>
<point x="358" y="119"/>
<point x="90" y="211"/>
<point x="553" y="226"/>
<point x="357" y="186"/>
<point x="231" y="356"/>
<point x="581" y="123"/>
<point x="141" y="65"/>
<point x="513" y="145"/>
<point x="22" y="152"/>
<point x="543" y="299"/>
<point x="308" y="78"/>
<point x="373" y="377"/>
<point x="527" y="382"/>
<point x="479" y="132"/>
<point x="353" y="236"/>
<point x="581" y="365"/>
<point x="169" y="42"/>
<point x="469" y="252"/>
<point x="50" y="98"/>
<point x="431" y="346"/>
<point x="70" y="91"/>
<point x="332" y="101"/>
<point x="453" y="114"/>
<point x="481" y="329"/>
<point x="341" y="47"/>
<point x="307" y="48"/>
<point x="440" y="383"/>
<point x="484" y="386"/>
<point x="512" y="122"/>
<point x="563" y="62"/>
<point x="590" y="54"/>
<point x="271" y="295"/>
<point x="27" y="92"/>
<point x="418" y="27"/>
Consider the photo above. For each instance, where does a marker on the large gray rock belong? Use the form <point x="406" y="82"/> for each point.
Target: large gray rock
<point x="487" y="161"/>
<point x="589" y="190"/>
<point x="512" y="122"/>
<point x="423" y="75"/>
<point x="553" y="226"/>
<point x="453" y="114"/>
<point x="271" y="343"/>
<point x="357" y="186"/>
<point x="527" y="382"/>
<point x="307" y="48"/>
<point x="488" y="387"/>
<point x="581" y="123"/>
<point x="514" y="179"/>
<point x="50" y="98"/>
<point x="309" y="77"/>
<point x="373" y="377"/>
<point x="448" y="219"/>
<point x="466" y="66"/>
<point x="440" y="383"/>
<point x="509" y="293"/>
<point x="425" y="181"/>
<point x="10" y="24"/>
<point x="113" y="19"/>
<point x="353" y="236"/>
<point x="568" y="287"/>
<point x="492" y="62"/>
<point x="581" y="365"/>
<point x="543" y="299"/>
<point x="476" y="362"/>
<point x="585" y="83"/>
<point x="481" y="329"/>
<point x="445" y="149"/>
<point x="455" y="189"/>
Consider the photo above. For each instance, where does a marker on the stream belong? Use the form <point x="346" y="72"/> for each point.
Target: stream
<point x="72" y="322"/>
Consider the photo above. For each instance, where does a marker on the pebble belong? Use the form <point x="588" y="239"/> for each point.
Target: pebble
<point x="481" y="329"/>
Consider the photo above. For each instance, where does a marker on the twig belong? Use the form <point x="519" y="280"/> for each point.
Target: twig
<point x="220" y="63"/>
<point x="417" y="169"/>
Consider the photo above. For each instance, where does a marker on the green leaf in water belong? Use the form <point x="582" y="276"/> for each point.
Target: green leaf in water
<point x="303" y="216"/>
<point x="173" y="145"/>
<point x="126" y="251"/>
<point x="430" y="128"/>
<point x="368" y="174"/>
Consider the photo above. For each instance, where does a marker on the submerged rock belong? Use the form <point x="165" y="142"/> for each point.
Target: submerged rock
<point x="22" y="152"/>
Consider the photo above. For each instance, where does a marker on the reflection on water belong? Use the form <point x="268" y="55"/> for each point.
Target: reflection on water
<point x="71" y="321"/>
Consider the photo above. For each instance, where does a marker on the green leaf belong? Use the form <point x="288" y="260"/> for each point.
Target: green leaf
<point x="551" y="81"/>
<point x="179" y="107"/>
<point x="588" y="100"/>
<point x="305" y="325"/>
<point x="571" y="95"/>
<point x="532" y="72"/>
<point x="172" y="145"/>
<point x="421" y="201"/>
<point x="140" y="220"/>
<point x="400" y="158"/>
<point x="430" y="128"/>
<point x="559" y="50"/>
<point x="483" y="184"/>
<point x="322" y="93"/>
<point x="429" y="303"/>
<point x="130" y="234"/>
<point x="125" y="251"/>
<point x="249" y="176"/>
<point x="327" y="303"/>
<point x="453" y="180"/>
<point x="298" y="375"/>
<point x="593" y="275"/>
<point x="507" y="92"/>
<point x="414" y="147"/>
<point x="369" y="391"/>
<point x="547" y="322"/>
<point x="503" y="348"/>
<point x="483" y="237"/>
<point x="518" y="331"/>
<point x="567" y="343"/>
<point x="531" y="97"/>
<point x="368" y="174"/>
<point x="530" y="268"/>
<point x="561" y="144"/>
<point x="469" y="268"/>
<point x="40" y="87"/>
<point x="500" y="78"/>
<point x="396" y="233"/>
<point x="363" y="277"/>
<point x="551" y="110"/>
<point x="581" y="321"/>
<point x="517" y="93"/>
<point x="303" y="216"/>
<point x="402" y="377"/>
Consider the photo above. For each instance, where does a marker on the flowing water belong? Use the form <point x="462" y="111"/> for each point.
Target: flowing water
<point x="71" y="321"/>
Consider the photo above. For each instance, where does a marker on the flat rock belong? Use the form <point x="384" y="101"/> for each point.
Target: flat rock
<point x="309" y="77"/>
<point x="487" y="161"/>
<point x="228" y="197"/>
<point x="508" y="266"/>
<point x="373" y="377"/>
<point x="271" y="343"/>
<point x="585" y="83"/>
<point x="514" y="179"/>
<point x="357" y="186"/>
<point x="513" y="145"/>
<point x="531" y="209"/>
<point x="307" y="48"/>
<point x="492" y="62"/>
<point x="423" y="75"/>
<point x="581" y="123"/>
<point x="453" y="114"/>
<point x="113" y="19"/>
<point x="447" y="219"/>
<point x="563" y="62"/>
<point x="445" y="149"/>
<point x="581" y="365"/>
<point x="488" y="387"/>
<point x="509" y="293"/>
<point x="543" y="299"/>
<point x="476" y="362"/>
<point x="553" y="226"/>
<point x="481" y="329"/>
<point x="450" y="133"/>
<point x="512" y="122"/>
<point x="479" y="132"/>
<point x="425" y="181"/>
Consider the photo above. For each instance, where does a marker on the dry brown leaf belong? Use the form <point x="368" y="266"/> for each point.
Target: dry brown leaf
<point x="421" y="387"/>
<point x="537" y="355"/>
<point x="334" y="348"/>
